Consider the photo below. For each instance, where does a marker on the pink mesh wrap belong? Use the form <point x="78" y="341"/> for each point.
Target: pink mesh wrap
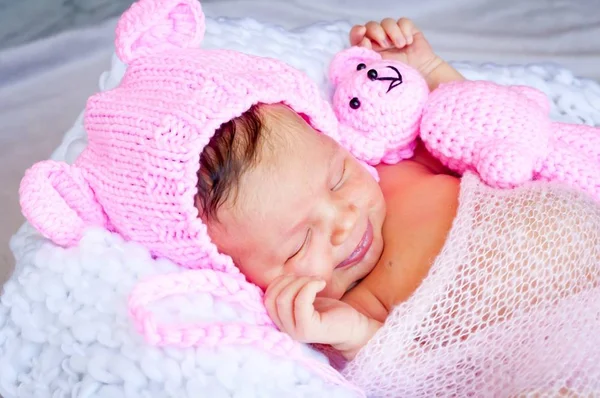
<point x="503" y="133"/>
<point x="510" y="307"/>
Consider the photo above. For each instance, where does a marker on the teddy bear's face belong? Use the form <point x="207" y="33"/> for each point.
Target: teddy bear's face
<point x="379" y="98"/>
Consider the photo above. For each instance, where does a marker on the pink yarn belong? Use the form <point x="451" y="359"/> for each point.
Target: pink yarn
<point x="261" y="333"/>
<point x="145" y="136"/>
<point x="58" y="196"/>
<point x="138" y="174"/>
<point x="503" y="133"/>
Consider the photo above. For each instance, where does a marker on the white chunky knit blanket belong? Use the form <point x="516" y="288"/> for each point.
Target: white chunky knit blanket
<point x="64" y="330"/>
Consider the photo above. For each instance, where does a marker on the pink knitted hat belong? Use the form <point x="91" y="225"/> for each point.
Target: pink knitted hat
<point x="138" y="174"/>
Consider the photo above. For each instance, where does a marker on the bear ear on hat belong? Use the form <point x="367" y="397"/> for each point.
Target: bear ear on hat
<point x="153" y="26"/>
<point x="57" y="200"/>
<point x="348" y="60"/>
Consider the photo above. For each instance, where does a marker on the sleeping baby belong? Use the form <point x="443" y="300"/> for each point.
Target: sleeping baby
<point x="337" y="252"/>
<point x="426" y="282"/>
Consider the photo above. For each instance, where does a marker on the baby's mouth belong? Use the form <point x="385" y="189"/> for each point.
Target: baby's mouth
<point x="361" y="249"/>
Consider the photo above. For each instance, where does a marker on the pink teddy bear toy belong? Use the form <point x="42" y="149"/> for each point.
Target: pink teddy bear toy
<point x="503" y="133"/>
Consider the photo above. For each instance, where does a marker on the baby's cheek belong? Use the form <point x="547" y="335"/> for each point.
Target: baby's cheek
<point x="261" y="277"/>
<point x="317" y="266"/>
<point x="365" y="189"/>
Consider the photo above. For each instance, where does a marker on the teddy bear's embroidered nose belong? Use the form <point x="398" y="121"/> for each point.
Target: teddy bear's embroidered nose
<point x="372" y="74"/>
<point x="394" y="81"/>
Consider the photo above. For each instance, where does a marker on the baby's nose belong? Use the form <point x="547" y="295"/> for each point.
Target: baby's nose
<point x="344" y="224"/>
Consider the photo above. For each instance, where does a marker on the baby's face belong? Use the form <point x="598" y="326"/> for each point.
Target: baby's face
<point x="308" y="208"/>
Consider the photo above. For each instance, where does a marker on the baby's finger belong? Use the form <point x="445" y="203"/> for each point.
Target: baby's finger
<point x="285" y="304"/>
<point x="393" y="32"/>
<point x="408" y="29"/>
<point x="376" y="33"/>
<point x="304" y="309"/>
<point x="357" y="34"/>
<point x="366" y="43"/>
<point x="273" y="291"/>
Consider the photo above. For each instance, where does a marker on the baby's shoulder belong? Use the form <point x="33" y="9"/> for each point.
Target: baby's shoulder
<point x="410" y="177"/>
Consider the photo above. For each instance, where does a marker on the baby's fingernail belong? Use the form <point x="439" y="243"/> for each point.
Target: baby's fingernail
<point x="385" y="43"/>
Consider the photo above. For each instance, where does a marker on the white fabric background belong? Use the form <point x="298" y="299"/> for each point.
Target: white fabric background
<point x="43" y="85"/>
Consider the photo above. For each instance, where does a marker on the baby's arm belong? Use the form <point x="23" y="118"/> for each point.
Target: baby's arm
<point x="441" y="72"/>
<point x="352" y="347"/>
<point x="403" y="41"/>
<point x="293" y="305"/>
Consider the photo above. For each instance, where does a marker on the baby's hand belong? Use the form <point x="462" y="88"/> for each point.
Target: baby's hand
<point x="399" y="40"/>
<point x="293" y="305"/>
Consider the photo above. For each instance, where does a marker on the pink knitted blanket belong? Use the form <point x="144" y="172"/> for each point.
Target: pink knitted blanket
<point x="510" y="308"/>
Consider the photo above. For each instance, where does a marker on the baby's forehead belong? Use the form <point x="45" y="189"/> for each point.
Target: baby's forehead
<point x="288" y="137"/>
<point x="282" y="123"/>
<point x="293" y="162"/>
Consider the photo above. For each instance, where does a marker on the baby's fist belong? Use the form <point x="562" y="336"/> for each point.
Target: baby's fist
<point x="400" y="40"/>
<point x="292" y="303"/>
<point x="385" y="35"/>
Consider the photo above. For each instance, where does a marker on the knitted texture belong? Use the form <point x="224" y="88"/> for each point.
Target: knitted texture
<point x="63" y="328"/>
<point x="145" y="136"/>
<point x="257" y="330"/>
<point x="510" y="308"/>
<point x="503" y="133"/>
<point x="138" y="174"/>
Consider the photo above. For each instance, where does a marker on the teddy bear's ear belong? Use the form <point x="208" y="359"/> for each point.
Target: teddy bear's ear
<point x="57" y="200"/>
<point x="348" y="60"/>
<point x="534" y="95"/>
<point x="152" y="26"/>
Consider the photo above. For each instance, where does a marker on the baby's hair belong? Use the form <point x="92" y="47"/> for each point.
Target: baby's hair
<point x="230" y="152"/>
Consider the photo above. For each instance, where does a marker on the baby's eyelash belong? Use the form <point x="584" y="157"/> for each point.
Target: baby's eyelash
<point x="306" y="238"/>
<point x="337" y="185"/>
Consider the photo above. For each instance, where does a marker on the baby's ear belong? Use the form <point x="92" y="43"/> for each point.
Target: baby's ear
<point x="347" y="61"/>
<point x="152" y="26"/>
<point x="57" y="200"/>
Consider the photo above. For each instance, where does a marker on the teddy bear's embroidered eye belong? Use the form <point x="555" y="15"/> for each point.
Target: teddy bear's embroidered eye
<point x="354" y="103"/>
<point x="361" y="66"/>
<point x="372" y="74"/>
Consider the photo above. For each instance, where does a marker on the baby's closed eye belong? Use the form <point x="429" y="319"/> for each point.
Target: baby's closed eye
<point x="340" y="179"/>
<point x="302" y="246"/>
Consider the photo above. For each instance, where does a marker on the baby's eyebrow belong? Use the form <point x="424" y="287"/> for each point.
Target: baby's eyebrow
<point x="334" y="156"/>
